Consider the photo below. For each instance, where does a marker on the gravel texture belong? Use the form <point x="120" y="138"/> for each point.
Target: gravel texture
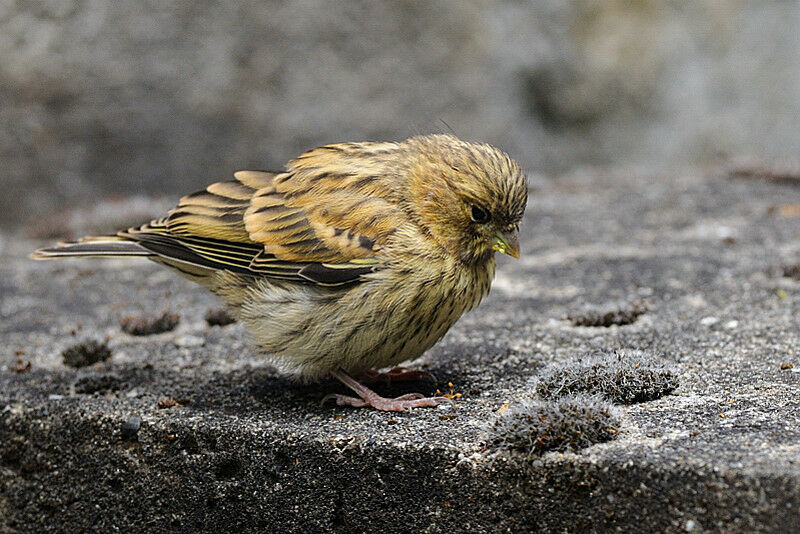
<point x="168" y="435"/>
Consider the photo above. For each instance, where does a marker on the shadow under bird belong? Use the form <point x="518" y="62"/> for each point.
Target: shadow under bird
<point x="358" y="256"/>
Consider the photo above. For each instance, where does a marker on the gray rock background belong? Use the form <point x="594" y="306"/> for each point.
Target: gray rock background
<point x="101" y="99"/>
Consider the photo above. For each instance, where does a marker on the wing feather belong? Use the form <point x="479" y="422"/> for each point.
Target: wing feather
<point x="307" y="224"/>
<point x="333" y="205"/>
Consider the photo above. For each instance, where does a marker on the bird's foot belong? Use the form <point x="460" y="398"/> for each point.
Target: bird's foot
<point x="396" y="374"/>
<point x="368" y="398"/>
<point x="398" y="404"/>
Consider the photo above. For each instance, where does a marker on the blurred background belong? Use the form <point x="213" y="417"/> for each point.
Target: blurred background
<point x="102" y="99"/>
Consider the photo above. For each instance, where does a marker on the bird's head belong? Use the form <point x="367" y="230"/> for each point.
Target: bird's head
<point x="469" y="197"/>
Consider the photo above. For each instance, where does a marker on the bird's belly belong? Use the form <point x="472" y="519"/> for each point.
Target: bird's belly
<point x="309" y="332"/>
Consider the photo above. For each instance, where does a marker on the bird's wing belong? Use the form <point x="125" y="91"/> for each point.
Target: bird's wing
<point x="308" y="224"/>
<point x="329" y="207"/>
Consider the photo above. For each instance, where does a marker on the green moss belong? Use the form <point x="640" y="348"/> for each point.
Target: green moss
<point x="573" y="422"/>
<point x="86" y="353"/>
<point x="623" y="376"/>
<point x="611" y="314"/>
<point x="219" y="317"/>
<point x="146" y="326"/>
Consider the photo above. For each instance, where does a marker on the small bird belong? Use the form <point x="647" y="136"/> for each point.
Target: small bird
<point x="357" y="256"/>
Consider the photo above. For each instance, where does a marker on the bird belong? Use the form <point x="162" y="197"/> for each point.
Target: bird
<point x="357" y="256"/>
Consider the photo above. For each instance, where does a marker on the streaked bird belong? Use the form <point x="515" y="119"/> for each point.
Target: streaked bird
<point x="358" y="256"/>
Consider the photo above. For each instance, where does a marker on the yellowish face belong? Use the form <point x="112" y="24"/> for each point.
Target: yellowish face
<point x="471" y="198"/>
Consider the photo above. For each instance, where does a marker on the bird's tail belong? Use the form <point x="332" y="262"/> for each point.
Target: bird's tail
<point x="110" y="246"/>
<point x="93" y="247"/>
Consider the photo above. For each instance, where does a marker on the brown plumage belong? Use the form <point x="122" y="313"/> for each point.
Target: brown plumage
<point x="358" y="255"/>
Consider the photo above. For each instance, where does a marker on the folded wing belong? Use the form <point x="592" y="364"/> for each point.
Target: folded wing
<point x="316" y="223"/>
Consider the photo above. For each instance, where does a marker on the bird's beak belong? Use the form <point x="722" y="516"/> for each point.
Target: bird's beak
<point x="506" y="243"/>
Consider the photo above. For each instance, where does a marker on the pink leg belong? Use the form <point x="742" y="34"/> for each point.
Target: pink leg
<point x="396" y="374"/>
<point x="367" y="397"/>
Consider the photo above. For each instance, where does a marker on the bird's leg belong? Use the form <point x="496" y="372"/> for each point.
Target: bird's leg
<point x="396" y="374"/>
<point x="367" y="397"/>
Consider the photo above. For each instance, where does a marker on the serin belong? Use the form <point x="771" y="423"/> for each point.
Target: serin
<point x="357" y="256"/>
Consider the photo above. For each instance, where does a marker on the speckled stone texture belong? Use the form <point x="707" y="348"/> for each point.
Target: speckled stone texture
<point x="189" y="431"/>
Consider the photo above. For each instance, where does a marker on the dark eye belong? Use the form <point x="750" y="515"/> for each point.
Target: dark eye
<point x="479" y="215"/>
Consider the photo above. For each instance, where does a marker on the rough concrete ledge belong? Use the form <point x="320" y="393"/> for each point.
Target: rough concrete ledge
<point x="188" y="430"/>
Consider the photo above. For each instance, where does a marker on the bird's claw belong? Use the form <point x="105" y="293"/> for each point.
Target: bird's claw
<point x="399" y="404"/>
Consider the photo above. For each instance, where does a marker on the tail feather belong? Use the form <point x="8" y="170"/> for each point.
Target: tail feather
<point x="95" y="246"/>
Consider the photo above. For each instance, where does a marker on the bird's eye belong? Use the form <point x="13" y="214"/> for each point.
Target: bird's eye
<point x="479" y="215"/>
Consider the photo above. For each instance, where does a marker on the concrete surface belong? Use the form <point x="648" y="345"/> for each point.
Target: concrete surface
<point x="187" y="430"/>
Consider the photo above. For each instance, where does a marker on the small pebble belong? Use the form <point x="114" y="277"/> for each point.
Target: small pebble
<point x="130" y="428"/>
<point x="189" y="341"/>
<point x="731" y="325"/>
<point x="709" y="321"/>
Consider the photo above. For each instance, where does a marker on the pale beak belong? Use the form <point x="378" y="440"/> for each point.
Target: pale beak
<point x="506" y="243"/>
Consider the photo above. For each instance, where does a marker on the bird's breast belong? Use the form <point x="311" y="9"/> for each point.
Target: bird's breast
<point x="395" y="315"/>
